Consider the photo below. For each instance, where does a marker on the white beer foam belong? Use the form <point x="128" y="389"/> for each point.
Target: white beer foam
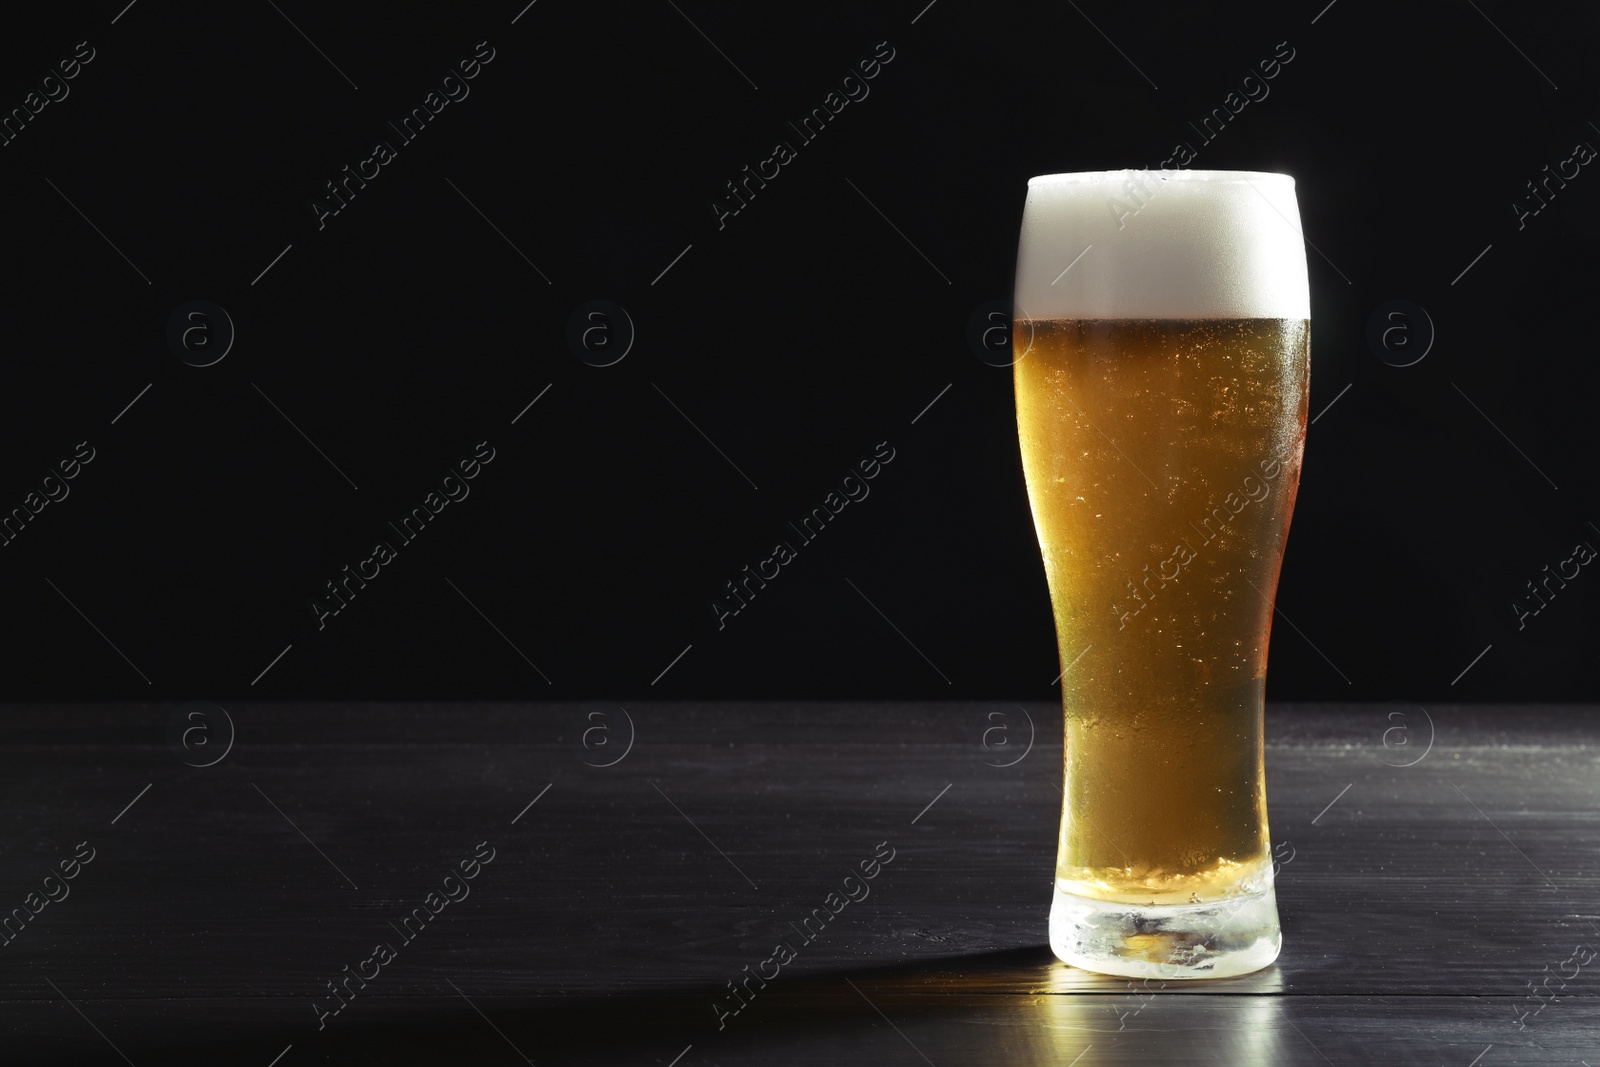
<point x="1176" y="244"/>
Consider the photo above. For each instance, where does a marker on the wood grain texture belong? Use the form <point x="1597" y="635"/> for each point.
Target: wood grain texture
<point x="1418" y="901"/>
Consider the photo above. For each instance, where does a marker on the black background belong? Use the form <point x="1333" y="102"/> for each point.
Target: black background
<point x="796" y="338"/>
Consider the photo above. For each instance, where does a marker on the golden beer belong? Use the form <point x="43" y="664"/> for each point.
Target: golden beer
<point x="1162" y="459"/>
<point x="1161" y="407"/>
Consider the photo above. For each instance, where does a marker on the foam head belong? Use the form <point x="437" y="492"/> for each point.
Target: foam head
<point x="1186" y="244"/>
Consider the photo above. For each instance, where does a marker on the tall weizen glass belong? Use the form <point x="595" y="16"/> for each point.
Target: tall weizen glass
<point x="1162" y="332"/>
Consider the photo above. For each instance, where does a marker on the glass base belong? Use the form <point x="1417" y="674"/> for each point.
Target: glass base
<point x="1230" y="937"/>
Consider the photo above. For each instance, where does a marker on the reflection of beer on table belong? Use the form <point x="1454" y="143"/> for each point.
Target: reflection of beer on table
<point x="1165" y="799"/>
<point x="1161" y="387"/>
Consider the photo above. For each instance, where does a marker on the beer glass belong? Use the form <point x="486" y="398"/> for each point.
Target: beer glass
<point x="1161" y="334"/>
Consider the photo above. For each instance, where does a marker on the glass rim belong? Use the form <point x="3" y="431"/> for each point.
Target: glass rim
<point x="1094" y="176"/>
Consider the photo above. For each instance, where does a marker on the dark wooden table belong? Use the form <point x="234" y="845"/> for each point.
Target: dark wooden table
<point x="1438" y="889"/>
